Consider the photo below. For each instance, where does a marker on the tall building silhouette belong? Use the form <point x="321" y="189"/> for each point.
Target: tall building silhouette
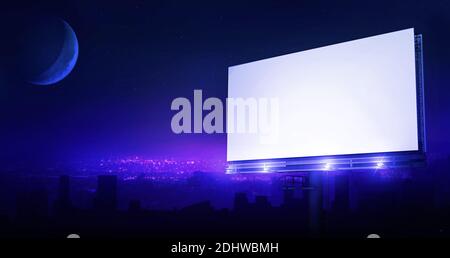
<point x="241" y="202"/>
<point x="288" y="197"/>
<point x="262" y="202"/>
<point x="134" y="206"/>
<point x="106" y="195"/>
<point x="63" y="202"/>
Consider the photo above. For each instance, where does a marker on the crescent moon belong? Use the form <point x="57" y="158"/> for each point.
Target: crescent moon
<point x="65" y="62"/>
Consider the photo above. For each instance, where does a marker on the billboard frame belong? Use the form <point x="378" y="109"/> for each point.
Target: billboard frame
<point x="363" y="161"/>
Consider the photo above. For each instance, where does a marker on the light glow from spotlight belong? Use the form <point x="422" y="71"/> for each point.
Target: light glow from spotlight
<point x="327" y="166"/>
<point x="380" y="164"/>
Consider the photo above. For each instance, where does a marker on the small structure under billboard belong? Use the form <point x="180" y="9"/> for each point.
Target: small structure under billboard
<point x="353" y="105"/>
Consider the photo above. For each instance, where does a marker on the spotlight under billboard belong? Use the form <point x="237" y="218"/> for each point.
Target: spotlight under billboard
<point x="353" y="105"/>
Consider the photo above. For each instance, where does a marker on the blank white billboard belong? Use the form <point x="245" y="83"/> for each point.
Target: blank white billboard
<point x="356" y="97"/>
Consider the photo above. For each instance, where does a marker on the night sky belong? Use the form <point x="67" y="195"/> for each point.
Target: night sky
<point x="135" y="57"/>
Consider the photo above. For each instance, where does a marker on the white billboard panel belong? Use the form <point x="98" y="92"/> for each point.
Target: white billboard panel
<point x="356" y="97"/>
